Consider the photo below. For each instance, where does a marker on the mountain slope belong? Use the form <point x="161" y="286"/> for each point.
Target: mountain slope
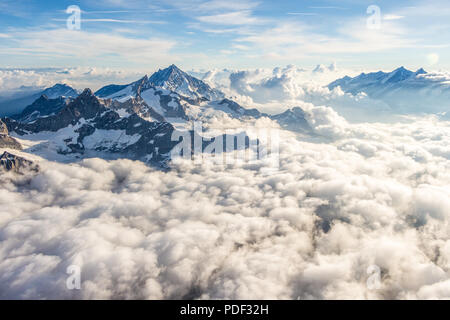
<point x="7" y="141"/>
<point x="15" y="106"/>
<point x="88" y="124"/>
<point x="42" y="107"/>
<point x="176" y="80"/>
<point x="403" y="90"/>
<point x="170" y="79"/>
<point x="377" y="82"/>
<point x="11" y="162"/>
<point x="176" y="96"/>
<point x="293" y="119"/>
<point x="123" y="92"/>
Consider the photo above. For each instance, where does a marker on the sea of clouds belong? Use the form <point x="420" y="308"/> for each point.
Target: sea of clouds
<point x="352" y="197"/>
<point x="275" y="90"/>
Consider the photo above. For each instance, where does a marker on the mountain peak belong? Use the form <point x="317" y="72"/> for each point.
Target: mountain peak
<point x="43" y="97"/>
<point x="399" y="74"/>
<point x="421" y="71"/>
<point x="59" y="85"/>
<point x="167" y="74"/>
<point x="173" y="67"/>
<point x="58" y="90"/>
<point x="86" y="93"/>
<point x="174" y="79"/>
<point x="402" y="68"/>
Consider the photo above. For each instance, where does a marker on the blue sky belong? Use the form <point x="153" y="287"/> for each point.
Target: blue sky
<point x="225" y="33"/>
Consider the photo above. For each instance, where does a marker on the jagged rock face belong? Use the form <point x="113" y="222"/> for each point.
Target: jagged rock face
<point x="17" y="104"/>
<point x="9" y="142"/>
<point x="42" y="107"/>
<point x="174" y="79"/>
<point x="123" y="92"/>
<point x="11" y="162"/>
<point x="5" y="140"/>
<point x="89" y="123"/>
<point x="3" y="128"/>
<point x="171" y="79"/>
<point x="139" y="107"/>
<point x="293" y="119"/>
<point x="238" y="111"/>
<point x="85" y="106"/>
<point x="175" y="96"/>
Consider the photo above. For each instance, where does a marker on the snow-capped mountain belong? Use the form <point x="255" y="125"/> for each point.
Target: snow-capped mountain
<point x="374" y="84"/>
<point x="402" y="89"/>
<point x="135" y="121"/>
<point x="164" y="93"/>
<point x="42" y="107"/>
<point x="60" y="90"/>
<point x="170" y="79"/>
<point x="17" y="105"/>
<point x="174" y="79"/>
<point x="89" y="126"/>
<point x="123" y="92"/>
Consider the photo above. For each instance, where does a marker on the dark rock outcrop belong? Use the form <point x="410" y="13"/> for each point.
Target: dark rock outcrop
<point x="87" y="114"/>
<point x="11" y="162"/>
<point x="42" y="107"/>
<point x="293" y="119"/>
<point x="238" y="110"/>
<point x="5" y="140"/>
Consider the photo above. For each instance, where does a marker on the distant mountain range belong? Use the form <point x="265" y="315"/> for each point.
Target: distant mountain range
<point x="403" y="90"/>
<point x="135" y="121"/>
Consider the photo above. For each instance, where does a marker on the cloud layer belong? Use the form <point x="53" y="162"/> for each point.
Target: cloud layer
<point x="275" y="90"/>
<point x="374" y="194"/>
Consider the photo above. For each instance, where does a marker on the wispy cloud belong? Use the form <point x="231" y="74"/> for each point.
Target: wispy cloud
<point x="117" y="21"/>
<point x="392" y="17"/>
<point x="227" y="5"/>
<point x="302" y="14"/>
<point x="290" y="40"/>
<point x="94" y="46"/>
<point x="232" y="18"/>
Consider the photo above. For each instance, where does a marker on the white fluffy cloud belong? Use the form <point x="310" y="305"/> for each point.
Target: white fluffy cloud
<point x="62" y="47"/>
<point x="376" y="194"/>
<point x="275" y="90"/>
